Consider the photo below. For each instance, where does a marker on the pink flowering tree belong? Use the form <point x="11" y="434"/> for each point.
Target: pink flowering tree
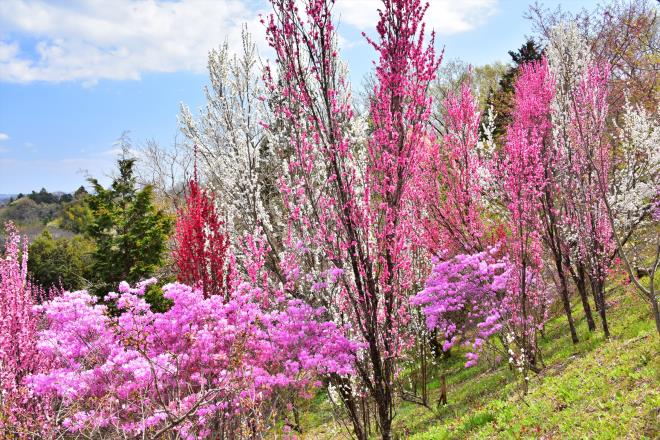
<point x="549" y="155"/>
<point x="205" y="368"/>
<point x="350" y="201"/>
<point x="449" y="188"/>
<point x="524" y="181"/>
<point x="587" y="179"/>
<point x="22" y="415"/>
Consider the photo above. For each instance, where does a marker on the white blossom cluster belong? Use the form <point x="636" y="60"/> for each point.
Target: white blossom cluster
<point x="490" y="187"/>
<point x="568" y="57"/>
<point x="234" y="158"/>
<point x="636" y="174"/>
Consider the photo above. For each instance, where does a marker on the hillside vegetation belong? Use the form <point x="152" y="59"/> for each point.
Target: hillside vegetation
<point x="596" y="389"/>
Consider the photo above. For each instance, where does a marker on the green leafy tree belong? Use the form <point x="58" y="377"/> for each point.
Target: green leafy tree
<point x="130" y="232"/>
<point x="76" y="216"/>
<point x="60" y="262"/>
<point x="43" y="196"/>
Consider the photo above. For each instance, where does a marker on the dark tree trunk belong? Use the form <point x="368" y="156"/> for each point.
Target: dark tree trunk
<point x="582" y="290"/>
<point x="598" y="290"/>
<point x="553" y="241"/>
<point x="442" y="400"/>
<point x="563" y="291"/>
<point x="424" y="372"/>
<point x="344" y="388"/>
<point x="656" y="310"/>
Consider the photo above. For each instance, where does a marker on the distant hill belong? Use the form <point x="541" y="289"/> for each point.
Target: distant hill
<point x="34" y="212"/>
<point x="4" y="198"/>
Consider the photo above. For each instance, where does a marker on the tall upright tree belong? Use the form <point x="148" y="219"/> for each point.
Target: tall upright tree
<point x="588" y="166"/>
<point x="129" y="230"/>
<point x="350" y="206"/>
<point x="21" y="413"/>
<point x="502" y="99"/>
<point x="450" y="191"/>
<point x="524" y="182"/>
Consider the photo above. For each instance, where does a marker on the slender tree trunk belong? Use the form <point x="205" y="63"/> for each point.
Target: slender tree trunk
<point x="365" y="415"/>
<point x="442" y="400"/>
<point x="344" y="388"/>
<point x="425" y="394"/>
<point x="656" y="310"/>
<point x="582" y="290"/>
<point x="598" y="290"/>
<point x="384" y="421"/>
<point x="563" y="291"/>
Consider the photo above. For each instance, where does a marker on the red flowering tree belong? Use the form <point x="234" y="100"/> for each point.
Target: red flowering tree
<point x="201" y="244"/>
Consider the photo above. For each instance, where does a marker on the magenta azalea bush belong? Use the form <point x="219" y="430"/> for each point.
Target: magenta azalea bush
<point x="465" y="297"/>
<point x="204" y="363"/>
<point x="206" y="366"/>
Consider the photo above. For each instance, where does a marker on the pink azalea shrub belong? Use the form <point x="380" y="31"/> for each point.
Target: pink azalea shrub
<point x="203" y="367"/>
<point x="464" y="298"/>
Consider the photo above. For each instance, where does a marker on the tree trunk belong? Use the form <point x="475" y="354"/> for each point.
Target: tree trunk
<point x="582" y="290"/>
<point x="344" y="388"/>
<point x="384" y="421"/>
<point x="599" y="293"/>
<point x="442" y="400"/>
<point x="563" y="290"/>
<point x="425" y="392"/>
<point x="656" y="310"/>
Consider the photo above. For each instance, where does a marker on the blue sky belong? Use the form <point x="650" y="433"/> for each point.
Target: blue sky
<point x="75" y="74"/>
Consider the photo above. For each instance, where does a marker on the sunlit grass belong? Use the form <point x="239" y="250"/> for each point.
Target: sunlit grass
<point x="593" y="389"/>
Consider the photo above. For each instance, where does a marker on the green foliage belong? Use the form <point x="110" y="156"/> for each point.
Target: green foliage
<point x="76" y="216"/>
<point x="44" y="196"/>
<point x="154" y="296"/>
<point x="26" y="211"/>
<point x="60" y="262"/>
<point x="130" y="232"/>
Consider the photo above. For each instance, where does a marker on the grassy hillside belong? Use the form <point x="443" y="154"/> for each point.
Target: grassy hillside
<point x="596" y="389"/>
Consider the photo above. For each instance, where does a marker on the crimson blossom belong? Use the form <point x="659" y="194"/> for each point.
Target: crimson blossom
<point x="201" y="244"/>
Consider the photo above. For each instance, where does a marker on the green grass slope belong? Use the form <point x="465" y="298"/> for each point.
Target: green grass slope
<point x="595" y="389"/>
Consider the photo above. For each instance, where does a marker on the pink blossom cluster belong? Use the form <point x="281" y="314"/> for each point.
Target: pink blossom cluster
<point x="205" y="362"/>
<point x="464" y="298"/>
<point x="73" y="366"/>
<point x="21" y="412"/>
<point x="449" y="190"/>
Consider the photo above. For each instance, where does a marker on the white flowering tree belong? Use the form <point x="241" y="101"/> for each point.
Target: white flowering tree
<point x="235" y="158"/>
<point x="568" y="58"/>
<point x="634" y="198"/>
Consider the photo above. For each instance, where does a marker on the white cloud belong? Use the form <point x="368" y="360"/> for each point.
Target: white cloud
<point x="446" y="17"/>
<point x="87" y="40"/>
<point x="4" y="136"/>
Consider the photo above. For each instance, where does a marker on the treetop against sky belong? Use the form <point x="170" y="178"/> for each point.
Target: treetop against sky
<point x="75" y="75"/>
